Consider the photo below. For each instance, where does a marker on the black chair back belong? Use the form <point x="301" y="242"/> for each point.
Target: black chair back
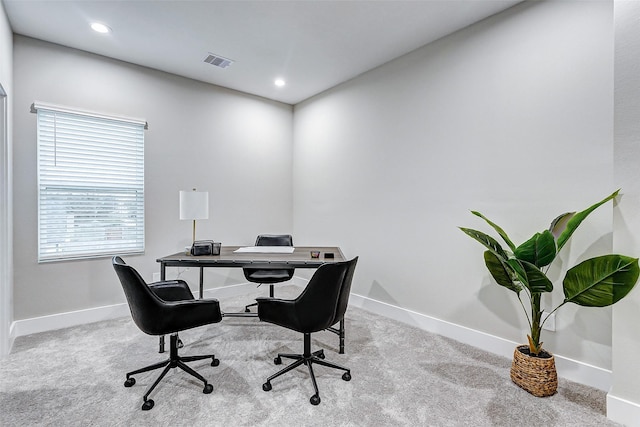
<point x="324" y="301"/>
<point x="274" y="240"/>
<point x="270" y="276"/>
<point x="156" y="316"/>
<point x="145" y="306"/>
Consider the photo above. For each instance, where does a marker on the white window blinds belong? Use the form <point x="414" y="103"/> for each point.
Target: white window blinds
<point x="90" y="184"/>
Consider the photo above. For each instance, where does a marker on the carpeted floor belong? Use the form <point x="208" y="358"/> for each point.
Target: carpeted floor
<point x="402" y="376"/>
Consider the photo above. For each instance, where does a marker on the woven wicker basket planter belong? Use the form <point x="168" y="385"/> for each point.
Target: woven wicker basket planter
<point x="536" y="375"/>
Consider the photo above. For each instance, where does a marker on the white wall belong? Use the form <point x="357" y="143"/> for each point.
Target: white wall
<point x="623" y="403"/>
<point x="6" y="238"/>
<point x="236" y="146"/>
<point x="511" y="117"/>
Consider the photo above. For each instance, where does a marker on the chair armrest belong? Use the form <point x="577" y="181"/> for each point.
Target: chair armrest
<point x="273" y="302"/>
<point x="187" y="314"/>
<point x="172" y="290"/>
<point x="279" y="312"/>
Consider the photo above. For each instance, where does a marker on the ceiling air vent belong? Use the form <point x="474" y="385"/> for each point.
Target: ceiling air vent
<point x="218" y="61"/>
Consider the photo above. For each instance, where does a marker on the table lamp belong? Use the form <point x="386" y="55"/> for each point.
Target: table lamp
<point x="194" y="205"/>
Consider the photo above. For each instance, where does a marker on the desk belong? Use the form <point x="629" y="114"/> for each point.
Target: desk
<point x="300" y="258"/>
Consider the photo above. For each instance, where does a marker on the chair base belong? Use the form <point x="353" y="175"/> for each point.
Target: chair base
<point x="308" y="359"/>
<point x="174" y="361"/>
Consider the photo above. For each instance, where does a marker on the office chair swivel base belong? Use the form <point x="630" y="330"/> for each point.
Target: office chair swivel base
<point x="174" y="361"/>
<point x="307" y="359"/>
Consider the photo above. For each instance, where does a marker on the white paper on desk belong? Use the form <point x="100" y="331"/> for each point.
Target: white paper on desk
<point x="266" y="250"/>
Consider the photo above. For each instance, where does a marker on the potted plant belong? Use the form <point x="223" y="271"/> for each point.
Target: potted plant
<point x="596" y="282"/>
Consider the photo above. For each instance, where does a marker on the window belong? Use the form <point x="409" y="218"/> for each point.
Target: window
<point x="90" y="184"/>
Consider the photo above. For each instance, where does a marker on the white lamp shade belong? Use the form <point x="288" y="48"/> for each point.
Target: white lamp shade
<point x="194" y="205"/>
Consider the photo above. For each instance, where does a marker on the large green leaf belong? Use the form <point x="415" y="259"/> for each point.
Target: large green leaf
<point x="539" y="250"/>
<point x="500" y="272"/>
<point x="537" y="281"/>
<point x="601" y="281"/>
<point x="498" y="229"/>
<point x="559" y="224"/>
<point x="577" y="219"/>
<point x="518" y="270"/>
<point x="488" y="241"/>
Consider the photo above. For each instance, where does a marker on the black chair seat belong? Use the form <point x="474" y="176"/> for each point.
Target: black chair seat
<point x="269" y="276"/>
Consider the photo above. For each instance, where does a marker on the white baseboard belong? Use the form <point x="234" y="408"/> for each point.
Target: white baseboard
<point x="623" y="411"/>
<point x="80" y="317"/>
<point x="66" y="320"/>
<point x="12" y="336"/>
<point x="567" y="368"/>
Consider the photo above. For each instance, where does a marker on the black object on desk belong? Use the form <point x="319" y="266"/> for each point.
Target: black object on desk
<point x="205" y="247"/>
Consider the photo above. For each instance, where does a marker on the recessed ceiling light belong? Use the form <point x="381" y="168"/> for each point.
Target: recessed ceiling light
<point x="280" y="82"/>
<point x="100" y="28"/>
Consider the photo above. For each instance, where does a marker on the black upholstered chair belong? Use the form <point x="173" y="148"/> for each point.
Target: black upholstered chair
<point x="166" y="308"/>
<point x="321" y="305"/>
<point x="269" y="276"/>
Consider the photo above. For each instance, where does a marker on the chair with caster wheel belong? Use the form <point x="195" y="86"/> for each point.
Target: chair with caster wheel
<point x="321" y="305"/>
<point x="269" y="276"/>
<point x="164" y="308"/>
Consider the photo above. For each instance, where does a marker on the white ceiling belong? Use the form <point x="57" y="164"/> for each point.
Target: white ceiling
<point x="313" y="45"/>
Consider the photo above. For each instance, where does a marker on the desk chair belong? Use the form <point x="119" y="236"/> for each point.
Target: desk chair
<point x="165" y="308"/>
<point x="269" y="276"/>
<point x="321" y="305"/>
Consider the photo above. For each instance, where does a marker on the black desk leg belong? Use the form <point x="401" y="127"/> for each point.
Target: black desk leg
<point x="162" y="277"/>
<point x="341" y="336"/>
<point x="201" y="281"/>
<point x="340" y="333"/>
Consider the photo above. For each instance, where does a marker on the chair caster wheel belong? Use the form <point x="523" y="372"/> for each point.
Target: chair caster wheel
<point x="315" y="399"/>
<point x="207" y="389"/>
<point x="148" y="404"/>
<point x="277" y="361"/>
<point x="266" y="386"/>
<point x="129" y="382"/>
<point x="215" y="362"/>
<point x="346" y="376"/>
<point x="246" y="310"/>
<point x="321" y="355"/>
<point x="180" y="344"/>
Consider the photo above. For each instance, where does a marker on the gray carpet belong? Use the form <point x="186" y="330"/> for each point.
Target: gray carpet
<point x="402" y="376"/>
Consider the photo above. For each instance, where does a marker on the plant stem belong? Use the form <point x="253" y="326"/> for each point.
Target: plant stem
<point x="550" y="313"/>
<point x="536" y="314"/>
